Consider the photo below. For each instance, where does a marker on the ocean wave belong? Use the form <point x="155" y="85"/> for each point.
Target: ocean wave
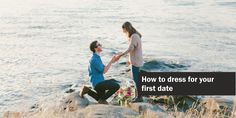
<point x="158" y="65"/>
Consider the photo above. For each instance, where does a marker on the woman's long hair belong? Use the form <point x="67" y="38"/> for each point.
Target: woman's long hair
<point x="130" y="29"/>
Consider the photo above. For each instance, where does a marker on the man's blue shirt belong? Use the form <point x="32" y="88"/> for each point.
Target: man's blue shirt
<point x="96" y="70"/>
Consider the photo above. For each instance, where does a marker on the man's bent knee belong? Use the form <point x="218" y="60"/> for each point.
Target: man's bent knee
<point x="117" y="86"/>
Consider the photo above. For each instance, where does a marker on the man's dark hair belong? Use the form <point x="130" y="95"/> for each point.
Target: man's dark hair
<point x="93" y="45"/>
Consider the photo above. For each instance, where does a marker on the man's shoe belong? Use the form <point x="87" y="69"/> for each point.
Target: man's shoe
<point x="102" y="102"/>
<point x="84" y="90"/>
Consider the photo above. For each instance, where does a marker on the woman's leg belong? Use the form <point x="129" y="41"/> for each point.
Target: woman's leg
<point x="135" y="71"/>
<point x="101" y="88"/>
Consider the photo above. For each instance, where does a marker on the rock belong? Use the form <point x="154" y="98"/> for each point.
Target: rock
<point x="12" y="115"/>
<point x="211" y="105"/>
<point x="108" y="111"/>
<point x="127" y="70"/>
<point x="216" y="107"/>
<point x="35" y="106"/>
<point x="148" y="110"/>
<point x="74" y="106"/>
<point x="70" y="90"/>
<point x="91" y="111"/>
<point x="155" y="114"/>
<point x="182" y="103"/>
<point x="74" y="101"/>
<point x="141" y="107"/>
<point x="122" y="63"/>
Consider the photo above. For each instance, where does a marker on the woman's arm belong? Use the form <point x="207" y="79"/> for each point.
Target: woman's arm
<point x="132" y="45"/>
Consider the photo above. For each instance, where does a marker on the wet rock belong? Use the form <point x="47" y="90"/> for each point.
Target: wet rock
<point x="122" y="63"/>
<point x="127" y="70"/>
<point x="70" y="90"/>
<point x="35" y="106"/>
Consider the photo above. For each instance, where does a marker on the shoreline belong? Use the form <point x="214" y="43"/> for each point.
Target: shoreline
<point x="74" y="106"/>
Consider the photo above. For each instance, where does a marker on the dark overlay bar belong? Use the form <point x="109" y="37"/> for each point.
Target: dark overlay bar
<point x="186" y="83"/>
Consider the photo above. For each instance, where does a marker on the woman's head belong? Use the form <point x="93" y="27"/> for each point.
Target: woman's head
<point x="95" y="46"/>
<point x="128" y="29"/>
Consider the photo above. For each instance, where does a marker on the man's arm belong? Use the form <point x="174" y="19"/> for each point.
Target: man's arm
<point x="109" y="64"/>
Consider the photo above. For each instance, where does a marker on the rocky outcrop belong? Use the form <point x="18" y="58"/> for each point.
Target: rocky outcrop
<point x="73" y="106"/>
<point x="147" y="110"/>
<point x="91" y="111"/>
<point x="107" y="111"/>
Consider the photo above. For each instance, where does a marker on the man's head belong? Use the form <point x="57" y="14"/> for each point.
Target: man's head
<point x="95" y="46"/>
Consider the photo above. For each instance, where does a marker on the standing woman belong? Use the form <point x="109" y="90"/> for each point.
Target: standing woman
<point x="135" y="53"/>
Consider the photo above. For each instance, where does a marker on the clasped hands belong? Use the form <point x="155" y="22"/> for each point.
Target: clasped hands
<point x="116" y="57"/>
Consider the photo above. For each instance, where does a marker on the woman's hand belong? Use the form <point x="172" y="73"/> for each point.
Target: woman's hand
<point x="128" y="63"/>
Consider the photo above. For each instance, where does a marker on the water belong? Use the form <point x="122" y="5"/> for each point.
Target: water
<point x="44" y="44"/>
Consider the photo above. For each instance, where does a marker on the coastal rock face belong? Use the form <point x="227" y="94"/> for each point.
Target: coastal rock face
<point x="74" y="101"/>
<point x="91" y="111"/>
<point x="107" y="111"/>
<point x="149" y="111"/>
<point x="73" y="106"/>
<point x="12" y="115"/>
